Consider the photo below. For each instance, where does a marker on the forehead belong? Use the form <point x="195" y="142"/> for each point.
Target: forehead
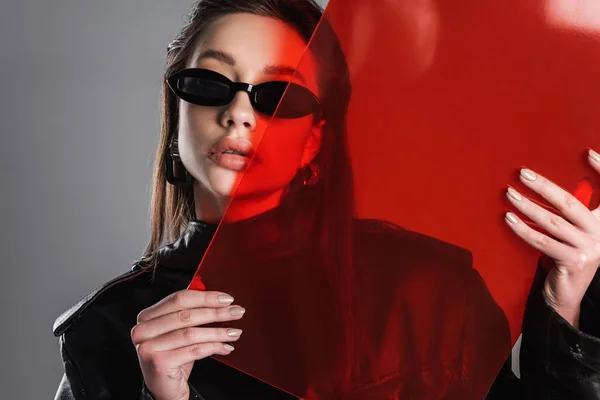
<point x="254" y="42"/>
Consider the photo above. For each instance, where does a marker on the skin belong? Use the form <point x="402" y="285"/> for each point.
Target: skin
<point x="574" y="245"/>
<point x="169" y="335"/>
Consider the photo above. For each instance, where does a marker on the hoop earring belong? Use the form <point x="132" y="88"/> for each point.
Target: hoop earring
<point x="173" y="160"/>
<point x="313" y="175"/>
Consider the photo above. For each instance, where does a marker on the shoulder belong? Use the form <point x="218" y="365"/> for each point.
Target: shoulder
<point x="142" y="286"/>
<point x="108" y="293"/>
<point x="420" y="278"/>
<point x="389" y="257"/>
<point x="383" y="239"/>
<point x="118" y="301"/>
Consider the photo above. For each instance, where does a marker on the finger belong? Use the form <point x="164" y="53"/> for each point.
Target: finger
<point x="182" y="300"/>
<point x="566" y="203"/>
<point x="545" y="205"/>
<point x="539" y="241"/>
<point x="192" y="335"/>
<point x="183" y="319"/>
<point x="555" y="225"/>
<point x="594" y="159"/>
<point x="184" y="355"/>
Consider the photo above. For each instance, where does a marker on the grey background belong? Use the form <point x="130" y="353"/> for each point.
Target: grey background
<point x="79" y="108"/>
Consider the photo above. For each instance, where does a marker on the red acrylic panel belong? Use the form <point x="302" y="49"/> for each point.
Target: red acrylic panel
<point x="449" y="99"/>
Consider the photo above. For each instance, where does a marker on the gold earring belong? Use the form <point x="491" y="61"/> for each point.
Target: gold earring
<point x="312" y="176"/>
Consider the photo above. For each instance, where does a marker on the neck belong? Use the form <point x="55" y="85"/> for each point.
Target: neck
<point x="211" y="208"/>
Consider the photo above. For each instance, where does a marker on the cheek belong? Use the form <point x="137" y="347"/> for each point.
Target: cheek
<point x="194" y="131"/>
<point x="283" y="146"/>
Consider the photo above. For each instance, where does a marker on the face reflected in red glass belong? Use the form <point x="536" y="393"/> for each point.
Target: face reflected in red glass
<point x="217" y="142"/>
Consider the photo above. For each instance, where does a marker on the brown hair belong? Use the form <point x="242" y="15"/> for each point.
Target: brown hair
<point x="331" y="199"/>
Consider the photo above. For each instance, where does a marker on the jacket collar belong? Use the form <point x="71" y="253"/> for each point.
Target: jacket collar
<point x="272" y="234"/>
<point x="187" y="251"/>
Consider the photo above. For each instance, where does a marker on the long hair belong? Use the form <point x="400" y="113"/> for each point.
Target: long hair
<point x="172" y="207"/>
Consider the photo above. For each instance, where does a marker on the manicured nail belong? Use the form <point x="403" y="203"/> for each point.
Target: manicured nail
<point x="225" y="299"/>
<point x="228" y="347"/>
<point x="512" y="218"/>
<point x="234" y="332"/>
<point x="514" y="194"/>
<point x="594" y="156"/>
<point x="528" y="174"/>
<point x="236" y="311"/>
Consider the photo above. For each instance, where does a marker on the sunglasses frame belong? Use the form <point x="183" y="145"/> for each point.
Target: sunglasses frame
<point x="234" y="88"/>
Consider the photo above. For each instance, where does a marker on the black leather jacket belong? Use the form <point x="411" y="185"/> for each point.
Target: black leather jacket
<point x="557" y="361"/>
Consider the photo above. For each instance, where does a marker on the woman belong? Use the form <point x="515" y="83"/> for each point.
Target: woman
<point x="140" y="335"/>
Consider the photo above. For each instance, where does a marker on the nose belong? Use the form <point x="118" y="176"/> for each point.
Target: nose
<point x="239" y="114"/>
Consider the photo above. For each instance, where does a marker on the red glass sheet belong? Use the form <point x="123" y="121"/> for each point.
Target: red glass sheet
<point x="449" y="100"/>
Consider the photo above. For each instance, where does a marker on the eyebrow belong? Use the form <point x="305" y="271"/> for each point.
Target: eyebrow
<point x="283" y="70"/>
<point x="228" y="59"/>
<point x="217" y="55"/>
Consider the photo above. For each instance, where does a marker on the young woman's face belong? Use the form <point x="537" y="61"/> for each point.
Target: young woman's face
<point x="251" y="49"/>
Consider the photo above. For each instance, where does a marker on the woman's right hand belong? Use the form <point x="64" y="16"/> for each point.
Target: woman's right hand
<point x="168" y="338"/>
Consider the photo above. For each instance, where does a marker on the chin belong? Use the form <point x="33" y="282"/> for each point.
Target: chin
<point x="223" y="181"/>
<point x="249" y="183"/>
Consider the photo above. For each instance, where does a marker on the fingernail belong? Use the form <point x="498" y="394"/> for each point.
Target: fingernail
<point x="528" y="174"/>
<point x="512" y="218"/>
<point x="594" y="156"/>
<point x="236" y="311"/>
<point x="229" y="347"/>
<point x="234" y="332"/>
<point x="514" y="194"/>
<point x="225" y="299"/>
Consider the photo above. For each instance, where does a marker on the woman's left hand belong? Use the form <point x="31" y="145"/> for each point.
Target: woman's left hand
<point x="574" y="244"/>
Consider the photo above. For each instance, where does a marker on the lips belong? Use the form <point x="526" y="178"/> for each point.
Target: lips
<point x="233" y="154"/>
<point x="228" y="145"/>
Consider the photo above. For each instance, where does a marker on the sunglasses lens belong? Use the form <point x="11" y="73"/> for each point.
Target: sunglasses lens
<point x="203" y="91"/>
<point x="297" y="102"/>
<point x="268" y="95"/>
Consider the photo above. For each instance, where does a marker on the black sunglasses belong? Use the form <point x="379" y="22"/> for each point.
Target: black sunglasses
<point x="204" y="87"/>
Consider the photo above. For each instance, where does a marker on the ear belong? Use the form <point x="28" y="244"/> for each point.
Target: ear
<point x="313" y="144"/>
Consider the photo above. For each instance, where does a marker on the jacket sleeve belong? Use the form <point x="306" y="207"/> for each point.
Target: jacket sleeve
<point x="506" y="385"/>
<point x="194" y="395"/>
<point x="65" y="390"/>
<point x="557" y="360"/>
<point x="71" y="386"/>
<point x="487" y="342"/>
